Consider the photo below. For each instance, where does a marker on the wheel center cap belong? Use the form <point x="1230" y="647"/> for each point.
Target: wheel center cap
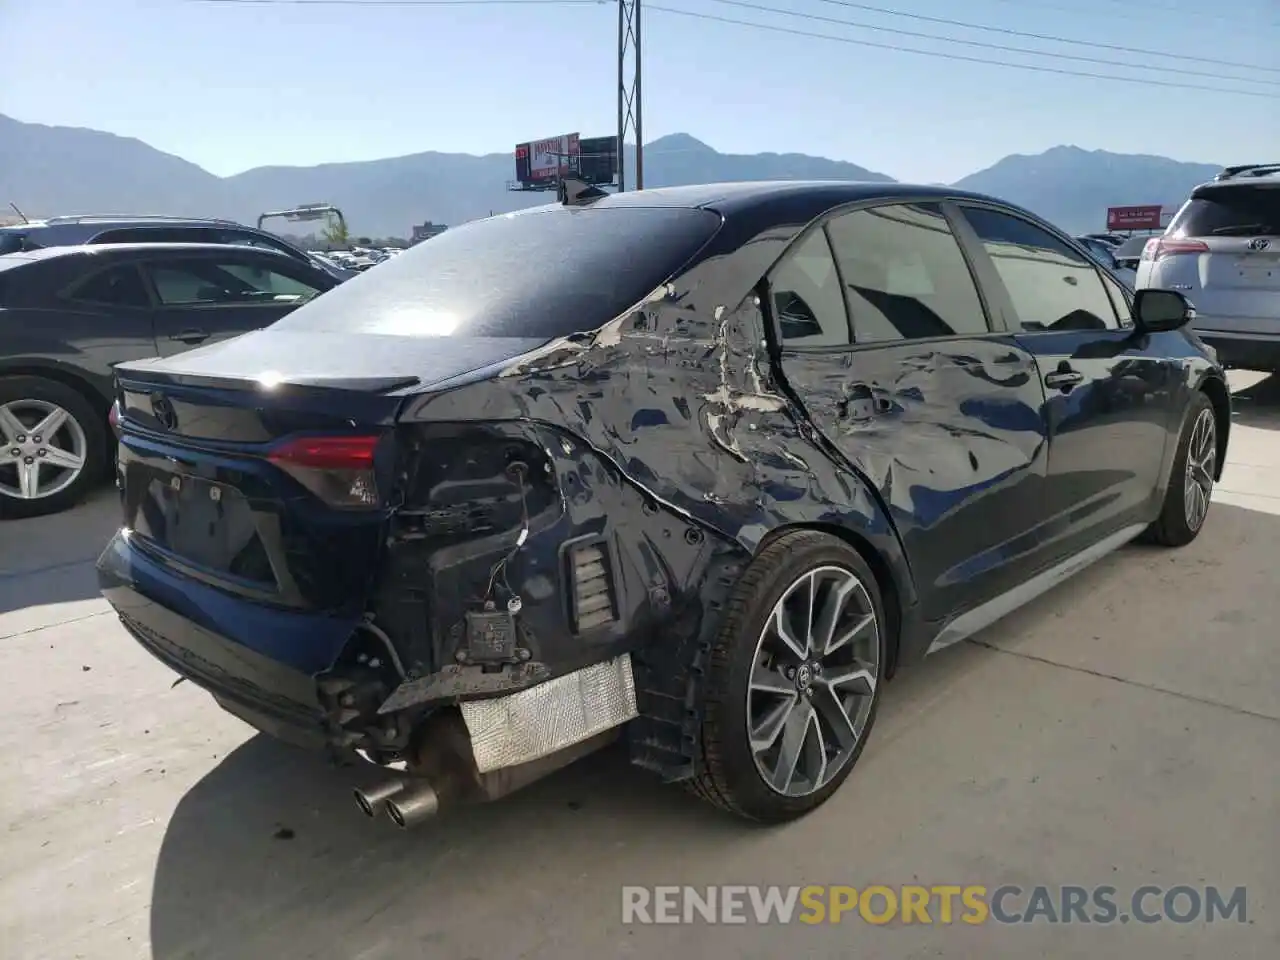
<point x="804" y="677"/>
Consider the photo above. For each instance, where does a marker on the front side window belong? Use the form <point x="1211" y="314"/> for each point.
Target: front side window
<point x="1119" y="299"/>
<point x="119" y="286"/>
<point x="13" y="241"/>
<point x="805" y="293"/>
<point x="152" y="235"/>
<point x="207" y="282"/>
<point x="244" y="238"/>
<point x="1052" y="285"/>
<point x="905" y="276"/>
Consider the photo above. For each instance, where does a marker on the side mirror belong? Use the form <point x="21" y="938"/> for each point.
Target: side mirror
<point x="1157" y="311"/>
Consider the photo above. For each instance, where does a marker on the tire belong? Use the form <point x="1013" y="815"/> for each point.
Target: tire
<point x="730" y="776"/>
<point x="1178" y="525"/>
<point x="82" y="435"/>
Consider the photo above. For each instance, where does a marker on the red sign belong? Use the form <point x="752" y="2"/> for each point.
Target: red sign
<point x="1134" y="218"/>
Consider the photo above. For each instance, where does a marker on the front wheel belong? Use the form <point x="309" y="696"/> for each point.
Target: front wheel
<point x="793" y="681"/>
<point x="1195" y="463"/>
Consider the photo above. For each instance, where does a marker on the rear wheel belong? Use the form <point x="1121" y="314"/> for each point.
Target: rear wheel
<point x="793" y="680"/>
<point x="1186" y="501"/>
<point x="52" y="446"/>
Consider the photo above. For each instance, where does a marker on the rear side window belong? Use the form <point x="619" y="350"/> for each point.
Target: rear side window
<point x="1236" y="211"/>
<point x="117" y="287"/>
<point x="807" y="299"/>
<point x="544" y="273"/>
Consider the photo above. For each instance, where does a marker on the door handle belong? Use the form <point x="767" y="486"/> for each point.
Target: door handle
<point x="190" y="336"/>
<point x="1063" y="379"/>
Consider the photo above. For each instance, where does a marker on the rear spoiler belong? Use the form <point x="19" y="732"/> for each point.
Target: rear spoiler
<point x="1249" y="169"/>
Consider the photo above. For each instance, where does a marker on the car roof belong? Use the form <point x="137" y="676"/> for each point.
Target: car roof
<point x="106" y="249"/>
<point x="743" y="197"/>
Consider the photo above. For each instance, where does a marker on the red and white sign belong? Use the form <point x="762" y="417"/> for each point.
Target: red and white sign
<point x="1146" y="217"/>
<point x="553" y="158"/>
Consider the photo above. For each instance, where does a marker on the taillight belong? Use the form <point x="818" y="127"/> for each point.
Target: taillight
<point x="1158" y="248"/>
<point x="337" y="469"/>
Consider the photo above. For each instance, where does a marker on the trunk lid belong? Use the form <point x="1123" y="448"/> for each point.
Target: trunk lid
<point x="266" y="465"/>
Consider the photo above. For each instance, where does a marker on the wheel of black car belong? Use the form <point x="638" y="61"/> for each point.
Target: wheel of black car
<point x="1186" y="501"/>
<point x="52" y="446"/>
<point x="793" y="680"/>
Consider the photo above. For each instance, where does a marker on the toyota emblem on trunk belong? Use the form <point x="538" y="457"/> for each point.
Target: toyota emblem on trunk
<point x="1261" y="243"/>
<point x="165" y="415"/>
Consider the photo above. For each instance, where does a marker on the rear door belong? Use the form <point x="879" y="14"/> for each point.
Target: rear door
<point x="208" y="297"/>
<point x="940" y="412"/>
<point x="1223" y="250"/>
<point x="1111" y="393"/>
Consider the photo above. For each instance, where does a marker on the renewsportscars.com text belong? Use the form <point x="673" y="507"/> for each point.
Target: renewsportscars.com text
<point x="971" y="904"/>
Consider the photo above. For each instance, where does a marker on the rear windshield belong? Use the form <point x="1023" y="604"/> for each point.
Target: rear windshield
<point x="547" y="272"/>
<point x="1236" y="211"/>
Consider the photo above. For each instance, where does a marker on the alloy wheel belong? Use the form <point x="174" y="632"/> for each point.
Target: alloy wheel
<point x="43" y="449"/>
<point x="1202" y="454"/>
<point x="813" y="681"/>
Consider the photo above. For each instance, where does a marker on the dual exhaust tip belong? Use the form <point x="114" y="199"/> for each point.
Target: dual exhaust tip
<point x="407" y="803"/>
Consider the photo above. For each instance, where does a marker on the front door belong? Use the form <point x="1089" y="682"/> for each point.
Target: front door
<point x="1111" y="392"/>
<point x="207" y="298"/>
<point x="886" y="340"/>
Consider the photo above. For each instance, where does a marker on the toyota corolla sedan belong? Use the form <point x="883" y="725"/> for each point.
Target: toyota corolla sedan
<point x="700" y="468"/>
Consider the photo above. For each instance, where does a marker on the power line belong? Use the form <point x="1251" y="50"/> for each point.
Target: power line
<point x="1042" y="36"/>
<point x="1078" y="58"/>
<point x="1145" y="81"/>
<point x="1128" y="12"/>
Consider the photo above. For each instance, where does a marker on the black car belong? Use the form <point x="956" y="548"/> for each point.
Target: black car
<point x="703" y="465"/>
<point x="69" y="314"/>
<point x="70" y="231"/>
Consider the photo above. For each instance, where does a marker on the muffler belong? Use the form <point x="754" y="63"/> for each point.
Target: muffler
<point x="370" y="800"/>
<point x="412" y="805"/>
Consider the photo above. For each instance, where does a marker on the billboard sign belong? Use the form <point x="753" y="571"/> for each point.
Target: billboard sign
<point x="598" y="160"/>
<point x="1147" y="217"/>
<point x="545" y="162"/>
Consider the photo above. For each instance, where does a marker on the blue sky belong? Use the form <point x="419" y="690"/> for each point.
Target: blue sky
<point x="232" y="86"/>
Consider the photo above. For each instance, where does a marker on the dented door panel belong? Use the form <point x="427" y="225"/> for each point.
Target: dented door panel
<point x="951" y="436"/>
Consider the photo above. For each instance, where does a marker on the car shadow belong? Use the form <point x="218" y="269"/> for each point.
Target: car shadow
<point x="268" y="855"/>
<point x="50" y="560"/>
<point x="1258" y="405"/>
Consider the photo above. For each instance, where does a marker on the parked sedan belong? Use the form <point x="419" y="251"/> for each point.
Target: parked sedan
<point x="705" y="479"/>
<point x="69" y="314"/>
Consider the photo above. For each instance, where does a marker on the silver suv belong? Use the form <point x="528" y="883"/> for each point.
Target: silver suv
<point x="1222" y="250"/>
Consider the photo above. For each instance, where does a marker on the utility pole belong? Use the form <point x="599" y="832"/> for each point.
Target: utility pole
<point x="630" y="104"/>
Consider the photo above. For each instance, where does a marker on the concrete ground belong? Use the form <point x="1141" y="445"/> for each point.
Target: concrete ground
<point x="1123" y="730"/>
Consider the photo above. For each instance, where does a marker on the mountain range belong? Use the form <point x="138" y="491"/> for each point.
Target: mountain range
<point x="48" y="170"/>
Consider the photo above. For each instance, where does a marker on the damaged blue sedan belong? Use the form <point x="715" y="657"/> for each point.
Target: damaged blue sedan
<point x="698" y="468"/>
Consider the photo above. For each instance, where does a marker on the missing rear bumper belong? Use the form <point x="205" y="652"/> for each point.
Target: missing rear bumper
<point x="535" y="723"/>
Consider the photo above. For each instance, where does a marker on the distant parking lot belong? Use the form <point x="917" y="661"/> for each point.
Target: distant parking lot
<point x="1122" y="730"/>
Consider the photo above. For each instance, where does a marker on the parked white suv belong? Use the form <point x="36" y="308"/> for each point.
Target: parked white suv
<point x="1222" y="250"/>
